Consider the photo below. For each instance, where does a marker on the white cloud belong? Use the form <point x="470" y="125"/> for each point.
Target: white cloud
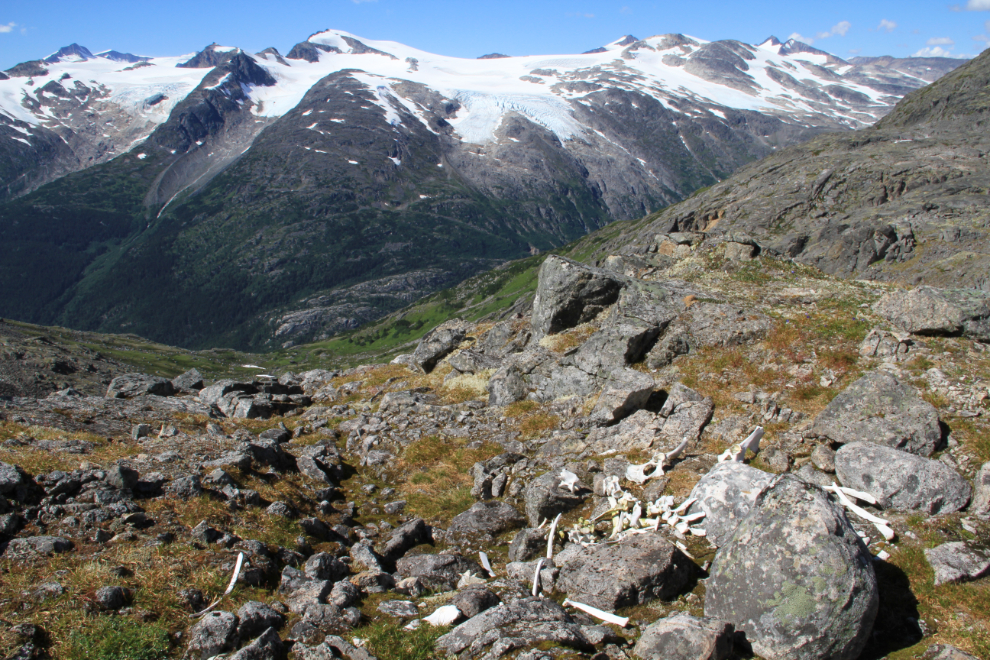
<point x="839" y="29"/>
<point x="933" y="51"/>
<point x="887" y="26"/>
<point x="797" y="37"/>
<point x="9" y="27"/>
<point x="980" y="37"/>
<point x="940" y="41"/>
<point x="978" y="5"/>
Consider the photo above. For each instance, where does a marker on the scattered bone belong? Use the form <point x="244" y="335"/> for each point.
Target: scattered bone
<point x="230" y="587"/>
<point x="607" y="617"/>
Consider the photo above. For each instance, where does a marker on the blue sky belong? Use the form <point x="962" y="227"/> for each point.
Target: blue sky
<point x="465" y="28"/>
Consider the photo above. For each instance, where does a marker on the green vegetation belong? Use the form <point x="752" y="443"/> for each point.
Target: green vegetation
<point x="391" y="641"/>
<point x="117" y="638"/>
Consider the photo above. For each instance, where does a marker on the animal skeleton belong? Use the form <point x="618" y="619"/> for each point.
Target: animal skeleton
<point x="738" y="452"/>
<point x="883" y="526"/>
<point x="568" y="480"/>
<point x="637" y="473"/>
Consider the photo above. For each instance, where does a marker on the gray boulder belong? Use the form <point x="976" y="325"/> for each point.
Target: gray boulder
<point x="122" y="477"/>
<point x="681" y="636"/>
<point x="685" y="413"/>
<point x="528" y="544"/>
<point x="615" y="346"/>
<point x="37" y="545"/>
<point x="213" y="634"/>
<point x="470" y="362"/>
<point x="520" y="623"/>
<point x="981" y="492"/>
<point x="11" y="478"/>
<point x="324" y="566"/>
<point x="719" y="324"/>
<point x="795" y="577"/>
<point x="439" y="343"/>
<point x="111" y="598"/>
<point x="255" y="618"/>
<point x="436" y="569"/>
<point x="569" y="293"/>
<point x="267" y="646"/>
<point x="404" y="538"/>
<point x="901" y="480"/>
<point x="946" y="652"/>
<point x="634" y="571"/>
<point x="191" y="380"/>
<point x="129" y="386"/>
<point x="625" y="392"/>
<point x="211" y="395"/>
<point x="545" y="498"/>
<point x="403" y="609"/>
<point x="957" y="562"/>
<point x="726" y="495"/>
<point x="930" y="311"/>
<point x="492" y="517"/>
<point x="506" y="386"/>
<point x="879" y="408"/>
<point x="637" y="432"/>
<point x="473" y="601"/>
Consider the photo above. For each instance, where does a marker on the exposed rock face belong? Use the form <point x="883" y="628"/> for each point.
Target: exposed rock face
<point x="684" y="637"/>
<point x="624" y="392"/>
<point x="981" y="493"/>
<point x="570" y="293"/>
<point x="946" y="652"/>
<point x="880" y="409"/>
<point x="131" y="385"/>
<point x="901" y="480"/>
<point x="795" y="577"/>
<point x="726" y="495"/>
<point x="438" y="344"/>
<point x="929" y="311"/>
<point x="957" y="562"/>
<point x="545" y="498"/>
<point x="637" y="570"/>
<point x="491" y="517"/>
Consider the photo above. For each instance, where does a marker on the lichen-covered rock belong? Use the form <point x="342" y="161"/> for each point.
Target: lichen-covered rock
<point x="215" y="633"/>
<point x="931" y="311"/>
<point x="129" y="386"/>
<point x="255" y="618"/>
<point x="981" y="491"/>
<point x="37" y="545"/>
<point x="570" y="293"/>
<point x="268" y="646"/>
<point x="946" y="652"/>
<point x="492" y="517"/>
<point x="957" y="562"/>
<point x="726" y="495"/>
<point x="439" y="343"/>
<point x="879" y="408"/>
<point x="636" y="570"/>
<point x="436" y="569"/>
<point x="625" y="392"/>
<point x="681" y="636"/>
<point x="901" y="480"/>
<point x="545" y="498"/>
<point x="685" y="413"/>
<point x="520" y="623"/>
<point x="795" y="577"/>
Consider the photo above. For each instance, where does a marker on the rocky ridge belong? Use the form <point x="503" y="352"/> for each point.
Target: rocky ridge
<point x="577" y="443"/>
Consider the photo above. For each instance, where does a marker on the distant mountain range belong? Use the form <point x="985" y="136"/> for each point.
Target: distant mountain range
<point x="252" y="200"/>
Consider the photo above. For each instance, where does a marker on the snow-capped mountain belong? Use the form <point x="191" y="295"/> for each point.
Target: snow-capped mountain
<point x="305" y="179"/>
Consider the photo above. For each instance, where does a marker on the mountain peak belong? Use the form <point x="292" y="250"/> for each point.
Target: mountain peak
<point x="494" y="56"/>
<point x="70" y="53"/>
<point x="117" y="56"/>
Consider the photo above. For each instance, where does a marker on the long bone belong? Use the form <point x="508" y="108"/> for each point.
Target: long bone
<point x="738" y="452"/>
<point x="637" y="473"/>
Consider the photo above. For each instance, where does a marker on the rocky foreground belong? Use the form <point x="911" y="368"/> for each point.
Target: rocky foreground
<point x="733" y="458"/>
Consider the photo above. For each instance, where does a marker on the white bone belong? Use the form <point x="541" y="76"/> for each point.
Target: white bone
<point x="637" y="473"/>
<point x="858" y="494"/>
<point x="882" y="525"/>
<point x="607" y="617"/>
<point x="444" y="616"/>
<point x="486" y="564"/>
<point x="738" y="452"/>
<point x="553" y="531"/>
<point x="677" y="451"/>
<point x="568" y="480"/>
<point x="685" y="504"/>
<point x="699" y="531"/>
<point x="536" y="577"/>
<point x="230" y="587"/>
<point x="752" y="443"/>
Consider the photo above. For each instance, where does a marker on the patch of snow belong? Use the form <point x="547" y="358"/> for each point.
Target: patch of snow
<point x="141" y="156"/>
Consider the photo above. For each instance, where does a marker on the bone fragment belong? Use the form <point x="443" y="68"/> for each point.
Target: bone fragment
<point x="444" y="616"/>
<point x="607" y="617"/>
<point x="568" y="480"/>
<point x="230" y="587"/>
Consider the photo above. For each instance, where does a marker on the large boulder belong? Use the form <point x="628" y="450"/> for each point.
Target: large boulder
<point x="213" y="634"/>
<point x="637" y="570"/>
<point x="625" y="392"/>
<point x="439" y="343"/>
<point x="569" y="293"/>
<point x="879" y="408"/>
<point x="681" y="636"/>
<point x="11" y="478"/>
<point x="958" y="562"/>
<point x="901" y="480"/>
<point x="436" y="569"/>
<point x="545" y="498"/>
<point x="191" y="380"/>
<point x="506" y="386"/>
<point x="129" y="386"/>
<point x="726" y="495"/>
<point x="930" y="311"/>
<point x="685" y="413"/>
<point x="795" y="577"/>
<point x="491" y="517"/>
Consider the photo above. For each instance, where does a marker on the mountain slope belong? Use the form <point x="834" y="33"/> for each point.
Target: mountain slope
<point x="286" y="199"/>
<point x="903" y="201"/>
